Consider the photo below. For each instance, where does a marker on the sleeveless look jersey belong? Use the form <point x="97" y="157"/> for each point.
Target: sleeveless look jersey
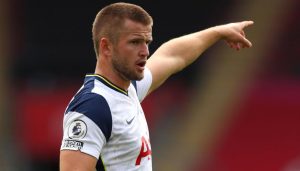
<point x="108" y="123"/>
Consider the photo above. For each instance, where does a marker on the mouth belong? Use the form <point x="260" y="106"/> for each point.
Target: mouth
<point x="141" y="64"/>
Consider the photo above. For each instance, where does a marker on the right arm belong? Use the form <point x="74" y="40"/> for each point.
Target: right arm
<point x="84" y="135"/>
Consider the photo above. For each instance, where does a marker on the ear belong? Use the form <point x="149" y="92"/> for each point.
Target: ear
<point x="105" y="47"/>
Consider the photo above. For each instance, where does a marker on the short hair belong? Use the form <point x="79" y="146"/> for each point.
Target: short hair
<point x="110" y="20"/>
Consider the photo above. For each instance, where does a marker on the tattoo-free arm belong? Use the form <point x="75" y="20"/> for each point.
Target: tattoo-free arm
<point x="180" y="52"/>
<point x="76" y="161"/>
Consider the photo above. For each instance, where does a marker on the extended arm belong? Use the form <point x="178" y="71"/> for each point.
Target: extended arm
<point x="178" y="53"/>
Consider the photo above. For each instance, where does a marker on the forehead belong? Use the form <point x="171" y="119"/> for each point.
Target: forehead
<point x="132" y="28"/>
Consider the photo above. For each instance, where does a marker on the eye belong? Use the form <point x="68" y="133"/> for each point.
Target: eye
<point x="135" y="41"/>
<point x="140" y="41"/>
<point x="148" y="42"/>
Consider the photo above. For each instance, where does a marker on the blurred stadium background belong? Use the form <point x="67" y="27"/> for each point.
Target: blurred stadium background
<point x="229" y="111"/>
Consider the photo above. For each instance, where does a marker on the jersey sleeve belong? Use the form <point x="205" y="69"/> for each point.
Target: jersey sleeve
<point x="87" y="125"/>
<point x="143" y="86"/>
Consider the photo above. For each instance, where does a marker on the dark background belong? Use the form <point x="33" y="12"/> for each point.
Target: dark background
<point x="55" y="36"/>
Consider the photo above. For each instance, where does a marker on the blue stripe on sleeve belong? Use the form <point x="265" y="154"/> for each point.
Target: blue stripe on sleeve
<point x="95" y="107"/>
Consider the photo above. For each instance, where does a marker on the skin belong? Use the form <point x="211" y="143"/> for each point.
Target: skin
<point x="178" y="53"/>
<point x="126" y="61"/>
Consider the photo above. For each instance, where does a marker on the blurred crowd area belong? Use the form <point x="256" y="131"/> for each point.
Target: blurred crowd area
<point x="228" y="111"/>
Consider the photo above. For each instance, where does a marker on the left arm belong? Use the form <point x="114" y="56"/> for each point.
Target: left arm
<point x="180" y="52"/>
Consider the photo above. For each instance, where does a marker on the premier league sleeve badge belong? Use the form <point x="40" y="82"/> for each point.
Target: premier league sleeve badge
<point x="76" y="132"/>
<point x="77" y="129"/>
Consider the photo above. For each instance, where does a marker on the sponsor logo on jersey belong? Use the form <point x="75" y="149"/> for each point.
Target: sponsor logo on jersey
<point x="72" y="144"/>
<point x="77" y="129"/>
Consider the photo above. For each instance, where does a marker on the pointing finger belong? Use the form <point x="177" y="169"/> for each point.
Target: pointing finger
<point x="247" y="23"/>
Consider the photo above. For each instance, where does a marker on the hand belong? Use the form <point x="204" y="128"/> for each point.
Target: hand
<point x="234" y="34"/>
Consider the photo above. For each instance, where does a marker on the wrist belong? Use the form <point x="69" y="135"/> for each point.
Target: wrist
<point x="218" y="32"/>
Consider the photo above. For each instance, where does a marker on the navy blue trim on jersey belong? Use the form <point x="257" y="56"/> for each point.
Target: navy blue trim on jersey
<point x="106" y="82"/>
<point x="134" y="85"/>
<point x="100" y="166"/>
<point x="94" y="106"/>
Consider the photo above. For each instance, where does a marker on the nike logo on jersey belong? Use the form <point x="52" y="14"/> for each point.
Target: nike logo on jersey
<point x="130" y="121"/>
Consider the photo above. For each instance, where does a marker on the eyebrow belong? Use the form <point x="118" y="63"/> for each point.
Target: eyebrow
<point x="147" y="37"/>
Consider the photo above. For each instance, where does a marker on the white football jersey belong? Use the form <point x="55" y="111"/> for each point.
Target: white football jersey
<point x="107" y="122"/>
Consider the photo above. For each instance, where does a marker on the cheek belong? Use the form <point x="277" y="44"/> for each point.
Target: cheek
<point x="129" y="50"/>
<point x="123" y="57"/>
<point x="128" y="53"/>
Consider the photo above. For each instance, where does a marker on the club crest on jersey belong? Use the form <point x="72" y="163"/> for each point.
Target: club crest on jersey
<point x="77" y="129"/>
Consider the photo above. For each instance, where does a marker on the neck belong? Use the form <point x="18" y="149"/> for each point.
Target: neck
<point x="107" y="72"/>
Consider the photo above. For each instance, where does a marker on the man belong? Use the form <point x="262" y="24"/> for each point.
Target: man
<point x="104" y="124"/>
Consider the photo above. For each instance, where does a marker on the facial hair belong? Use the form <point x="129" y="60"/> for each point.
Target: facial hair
<point x="123" y="69"/>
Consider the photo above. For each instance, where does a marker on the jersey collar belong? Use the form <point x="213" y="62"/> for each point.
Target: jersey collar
<point x="108" y="83"/>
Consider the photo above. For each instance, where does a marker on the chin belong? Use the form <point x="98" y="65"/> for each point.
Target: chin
<point x="140" y="78"/>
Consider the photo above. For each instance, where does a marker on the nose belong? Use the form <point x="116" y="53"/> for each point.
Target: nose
<point x="144" y="52"/>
